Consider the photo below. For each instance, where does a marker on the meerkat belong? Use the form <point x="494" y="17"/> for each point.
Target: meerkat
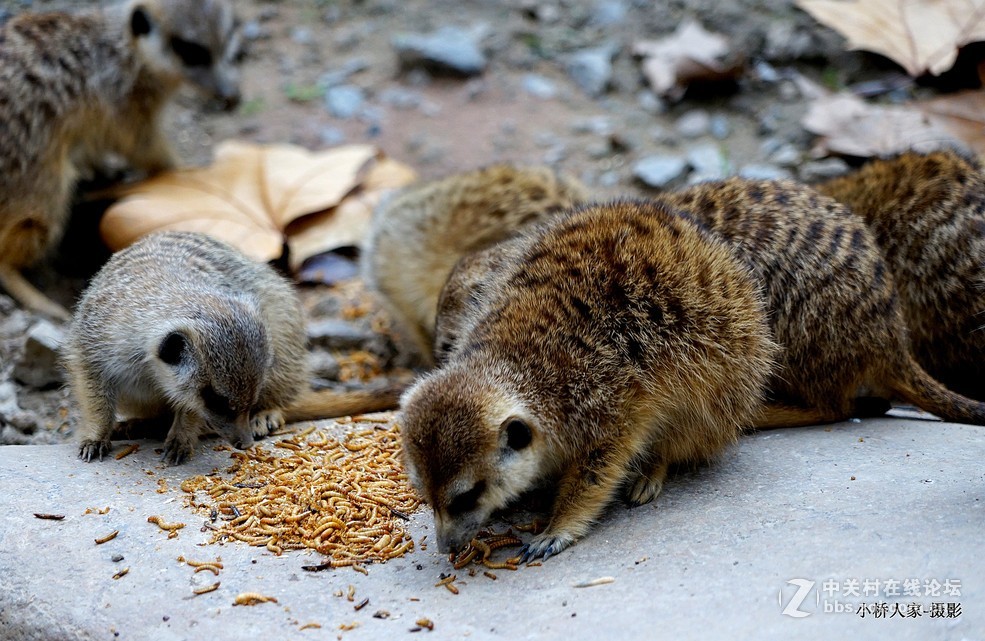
<point x="927" y="213"/>
<point x="833" y="305"/>
<point x="76" y="87"/>
<point x="609" y="342"/>
<point x="416" y="237"/>
<point x="183" y="326"/>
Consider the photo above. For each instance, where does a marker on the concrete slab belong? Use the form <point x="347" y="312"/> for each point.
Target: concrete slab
<point x="832" y="509"/>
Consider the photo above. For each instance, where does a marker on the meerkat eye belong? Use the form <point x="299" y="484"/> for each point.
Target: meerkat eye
<point x="191" y="54"/>
<point x="518" y="434"/>
<point x="466" y="501"/>
<point x="215" y="402"/>
<point x="172" y="348"/>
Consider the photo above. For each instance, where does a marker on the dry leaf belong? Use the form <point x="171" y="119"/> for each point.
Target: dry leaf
<point x="690" y="54"/>
<point x="920" y="35"/>
<point x="849" y="125"/>
<point x="249" y="196"/>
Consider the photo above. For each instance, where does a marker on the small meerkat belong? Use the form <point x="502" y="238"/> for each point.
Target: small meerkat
<point x="182" y="325"/>
<point x="76" y="87"/>
<point x="611" y="342"/>
<point x="417" y="236"/>
<point x="927" y="213"/>
<point x="833" y="305"/>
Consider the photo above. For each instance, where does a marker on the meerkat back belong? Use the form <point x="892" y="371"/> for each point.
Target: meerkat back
<point x="927" y="212"/>
<point x="417" y="236"/>
<point x="833" y="304"/>
<point x="75" y="87"/>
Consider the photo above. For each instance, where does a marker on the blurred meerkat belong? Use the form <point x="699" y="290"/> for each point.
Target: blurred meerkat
<point x="417" y="236"/>
<point x="608" y="343"/>
<point x="181" y="325"/>
<point x="927" y="213"/>
<point x="833" y="305"/>
<point x="76" y="87"/>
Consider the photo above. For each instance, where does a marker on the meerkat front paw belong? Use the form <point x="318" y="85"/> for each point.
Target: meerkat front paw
<point x="178" y="449"/>
<point x="267" y="421"/>
<point x="643" y="490"/>
<point x="90" y="449"/>
<point x="546" y="545"/>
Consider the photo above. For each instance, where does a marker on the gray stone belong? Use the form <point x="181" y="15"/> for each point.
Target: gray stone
<point x="719" y="126"/>
<point x="886" y="498"/>
<point x="650" y="102"/>
<point x="693" y="124"/>
<point x="333" y="333"/>
<point x="591" y="69"/>
<point x="12" y="415"/>
<point x="786" y="155"/>
<point x="252" y="30"/>
<point x="448" y="50"/>
<point x="302" y="36"/>
<point x="822" y="169"/>
<point x="607" y="13"/>
<point x="400" y="98"/>
<point x="344" y="101"/>
<point x="659" y="171"/>
<point x="707" y="162"/>
<point x="38" y="366"/>
<point x="331" y="136"/>
<point x="763" y="171"/>
<point x="341" y="75"/>
<point x="599" y="125"/>
<point x="539" y="86"/>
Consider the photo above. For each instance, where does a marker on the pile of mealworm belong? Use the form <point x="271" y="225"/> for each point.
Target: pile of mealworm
<point x="344" y="497"/>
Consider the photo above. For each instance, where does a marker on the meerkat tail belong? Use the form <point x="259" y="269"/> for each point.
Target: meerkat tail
<point x="917" y="386"/>
<point x="27" y="295"/>
<point x="314" y="405"/>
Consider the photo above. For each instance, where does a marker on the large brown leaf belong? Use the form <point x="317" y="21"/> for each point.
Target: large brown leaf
<point x="251" y="194"/>
<point x="849" y="125"/>
<point x="690" y="54"/>
<point x="920" y="35"/>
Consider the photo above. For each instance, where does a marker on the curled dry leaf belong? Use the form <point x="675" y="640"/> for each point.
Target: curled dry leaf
<point x="251" y="194"/>
<point x="688" y="55"/>
<point x="920" y="35"/>
<point x="849" y="125"/>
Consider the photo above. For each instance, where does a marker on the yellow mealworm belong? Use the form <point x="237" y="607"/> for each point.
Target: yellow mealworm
<point x="128" y="450"/>
<point x="207" y="588"/>
<point x="121" y="573"/>
<point x="253" y="598"/>
<point x="106" y="539"/>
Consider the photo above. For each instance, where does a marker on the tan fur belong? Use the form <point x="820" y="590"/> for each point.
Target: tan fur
<point x="77" y="87"/>
<point x="417" y="236"/>
<point x="607" y="344"/>
<point x="927" y="213"/>
<point x="833" y="305"/>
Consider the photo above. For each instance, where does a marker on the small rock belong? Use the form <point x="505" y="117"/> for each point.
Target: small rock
<point x="332" y="333"/>
<point x="693" y="124"/>
<point x="786" y="155"/>
<point x="607" y="13"/>
<point x="324" y="365"/>
<point x="341" y="75"/>
<point x="591" y="69"/>
<point x="599" y="125"/>
<point x="344" y="101"/>
<point x="708" y="161"/>
<point x="719" y="126"/>
<point x="302" y="35"/>
<point x="331" y="136"/>
<point x="659" y="171"/>
<point x="609" y="179"/>
<point x="822" y="169"/>
<point x="119" y="557"/>
<point x="38" y="366"/>
<point x="762" y="171"/>
<point x="650" y="102"/>
<point x="253" y="31"/>
<point x="11" y="413"/>
<point x="447" y="50"/>
<point x="14" y="324"/>
<point x="400" y="98"/>
<point x="539" y="86"/>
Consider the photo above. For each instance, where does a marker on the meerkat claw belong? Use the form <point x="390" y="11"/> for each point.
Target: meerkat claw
<point x="544" y="547"/>
<point x="92" y="449"/>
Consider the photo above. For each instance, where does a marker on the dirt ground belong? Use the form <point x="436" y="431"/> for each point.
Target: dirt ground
<point x="526" y="107"/>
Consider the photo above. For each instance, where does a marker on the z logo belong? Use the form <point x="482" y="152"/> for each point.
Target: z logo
<point x="792" y="608"/>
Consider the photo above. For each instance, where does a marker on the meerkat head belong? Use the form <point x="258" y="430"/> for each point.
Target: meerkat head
<point x="471" y="446"/>
<point x="214" y="367"/>
<point x="198" y="41"/>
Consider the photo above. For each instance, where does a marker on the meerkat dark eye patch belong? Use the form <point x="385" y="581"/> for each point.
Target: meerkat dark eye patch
<point x="172" y="348"/>
<point x="466" y="501"/>
<point x="191" y="53"/>
<point x="140" y="24"/>
<point x="216" y="403"/>
<point x="518" y="434"/>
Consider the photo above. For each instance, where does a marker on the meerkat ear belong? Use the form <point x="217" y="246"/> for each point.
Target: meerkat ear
<point x="518" y="433"/>
<point x="172" y="348"/>
<point x="140" y="22"/>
